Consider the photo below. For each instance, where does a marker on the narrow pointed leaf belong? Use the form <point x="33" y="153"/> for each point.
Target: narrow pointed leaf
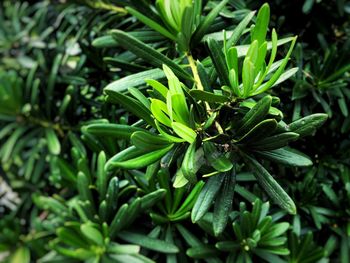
<point x="148" y="53"/>
<point x="270" y="185"/>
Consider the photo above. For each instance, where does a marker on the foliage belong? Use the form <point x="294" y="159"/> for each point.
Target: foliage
<point x="177" y="131"/>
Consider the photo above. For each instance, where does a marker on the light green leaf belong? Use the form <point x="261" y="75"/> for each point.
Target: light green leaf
<point x="92" y="234"/>
<point x="261" y="25"/>
<point x="148" y="242"/>
<point x="52" y="141"/>
<point x="184" y="132"/>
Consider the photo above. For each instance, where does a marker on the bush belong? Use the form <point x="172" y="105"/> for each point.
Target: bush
<point x="177" y="131"/>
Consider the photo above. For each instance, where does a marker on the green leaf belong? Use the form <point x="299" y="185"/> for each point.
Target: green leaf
<point x="147" y="201"/>
<point x="232" y="59"/>
<point x="272" y="111"/>
<point x="148" y="242"/>
<point x="158" y="87"/>
<point x="119" y="131"/>
<point x="180" y="180"/>
<point x="71" y="238"/>
<point x="53" y="142"/>
<point x="135" y="80"/>
<point x="102" y="177"/>
<point x="184" y="132"/>
<point x="278" y="72"/>
<point x="92" y="234"/>
<point x="160" y="112"/>
<point x="151" y="23"/>
<point x="137" y="94"/>
<point x="243" y="49"/>
<point x="188" y="165"/>
<point x="206" y="197"/>
<point x="148" y="53"/>
<point x="208" y="96"/>
<point x="119" y="220"/>
<point x="308" y="125"/>
<point x="104" y="42"/>
<point x="202" y="252"/>
<point x="275" y="141"/>
<point x="261" y="130"/>
<point x="21" y="255"/>
<point x="287" y="156"/>
<point x="83" y="187"/>
<point x="223" y="204"/>
<point x="261" y="25"/>
<point x="286" y="75"/>
<point x="215" y="158"/>
<point x="131" y="105"/>
<point x="269" y="184"/>
<point x="219" y="61"/>
<point x="116" y="248"/>
<point x="148" y="141"/>
<point x="126" y="159"/>
<point x="248" y="77"/>
<point x="207" y="22"/>
<point x="167" y="135"/>
<point x="238" y="31"/>
<point x="254" y="115"/>
<point x="253" y="51"/>
<point x="112" y="195"/>
<point x="190" y="199"/>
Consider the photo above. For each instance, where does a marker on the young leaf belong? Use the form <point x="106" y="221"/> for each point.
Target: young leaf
<point x="148" y="242"/>
<point x="92" y="234"/>
<point x="248" y="77"/>
<point x="262" y="23"/>
<point x="184" y="132"/>
<point x="160" y="112"/>
<point x="53" y="142"/>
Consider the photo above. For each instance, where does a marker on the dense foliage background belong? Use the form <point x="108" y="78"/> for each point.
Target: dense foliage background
<point x="59" y="204"/>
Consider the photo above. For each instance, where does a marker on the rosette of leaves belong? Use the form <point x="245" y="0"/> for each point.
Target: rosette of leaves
<point x="89" y="225"/>
<point x="325" y="79"/>
<point x="180" y="21"/>
<point x="213" y="125"/>
<point x="257" y="236"/>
